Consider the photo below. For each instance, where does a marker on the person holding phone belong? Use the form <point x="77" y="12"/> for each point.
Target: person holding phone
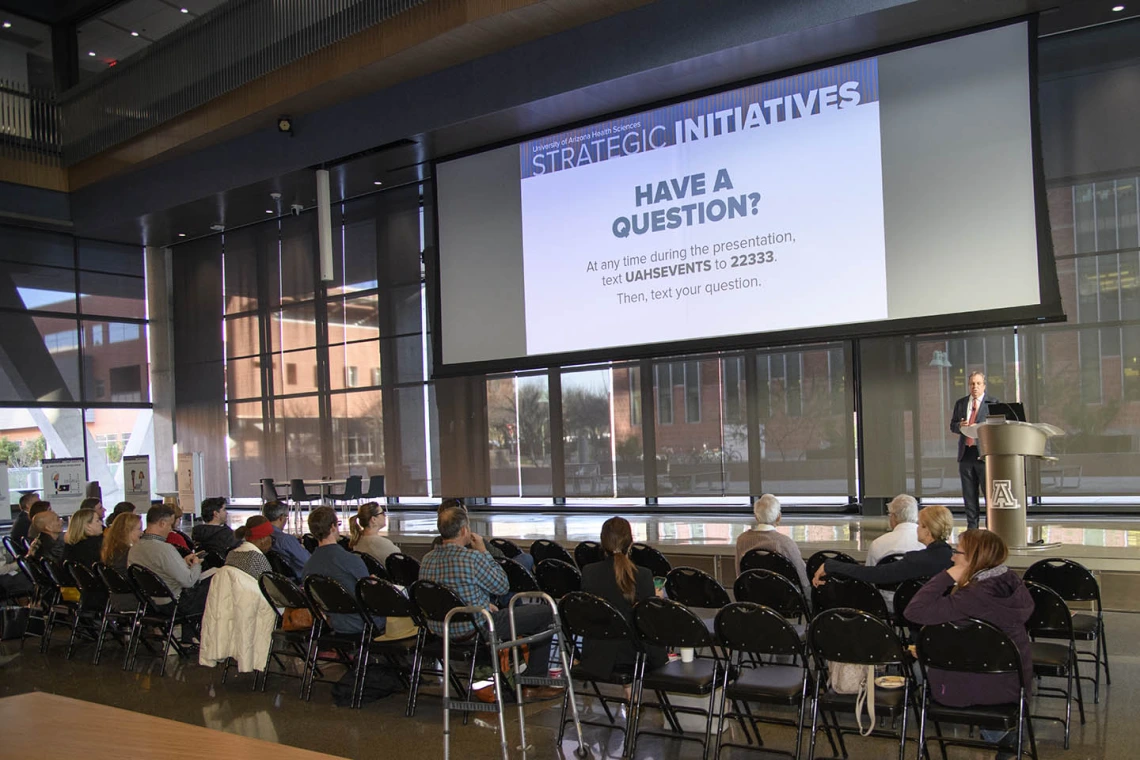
<point x="182" y="575"/>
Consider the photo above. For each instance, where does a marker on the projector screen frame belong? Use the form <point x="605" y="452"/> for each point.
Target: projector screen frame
<point x="1049" y="310"/>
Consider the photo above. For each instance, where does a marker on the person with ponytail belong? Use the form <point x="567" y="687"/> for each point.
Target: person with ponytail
<point x="365" y="527"/>
<point x="623" y="584"/>
<point x="256" y="538"/>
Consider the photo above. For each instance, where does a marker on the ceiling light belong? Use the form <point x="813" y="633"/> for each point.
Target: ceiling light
<point x="377" y="182"/>
<point x="91" y="53"/>
<point x="134" y="34"/>
<point x="1117" y="8"/>
<point x="7" y="24"/>
<point x="184" y="10"/>
<point x="181" y="234"/>
<point x="269" y="211"/>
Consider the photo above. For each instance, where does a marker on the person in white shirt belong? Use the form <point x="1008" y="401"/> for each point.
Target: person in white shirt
<point x="903" y="538"/>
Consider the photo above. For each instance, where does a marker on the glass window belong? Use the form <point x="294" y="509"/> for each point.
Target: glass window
<point x="112" y="258"/>
<point x="663" y="390"/>
<point x="350" y="364"/>
<point x="1084" y="215"/>
<point x="302" y="360"/>
<point x="518" y="420"/>
<point x="242" y="338"/>
<point x="249" y="458"/>
<point x="243" y="378"/>
<point x="586" y="424"/>
<point x="112" y="295"/>
<point x="358" y="434"/>
<point x="692" y="392"/>
<point x="629" y="445"/>
<point x="299" y="423"/>
<point x="36" y="247"/>
<point x="35" y="287"/>
<point x="354" y="319"/>
<point x="293" y="327"/>
<point x="296" y="269"/>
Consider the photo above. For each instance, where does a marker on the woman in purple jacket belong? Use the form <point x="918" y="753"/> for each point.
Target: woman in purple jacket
<point x="978" y="585"/>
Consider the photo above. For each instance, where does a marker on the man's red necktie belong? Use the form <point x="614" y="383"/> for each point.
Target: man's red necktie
<point x="973" y="416"/>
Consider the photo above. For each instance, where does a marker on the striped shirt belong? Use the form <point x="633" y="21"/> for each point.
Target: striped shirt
<point x="473" y="575"/>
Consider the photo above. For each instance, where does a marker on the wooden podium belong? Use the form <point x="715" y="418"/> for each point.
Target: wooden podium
<point x="1004" y="445"/>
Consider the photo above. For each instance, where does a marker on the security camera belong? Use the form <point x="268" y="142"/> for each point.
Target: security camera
<point x="296" y="209"/>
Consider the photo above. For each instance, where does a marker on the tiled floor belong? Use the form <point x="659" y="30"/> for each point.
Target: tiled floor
<point x="195" y="695"/>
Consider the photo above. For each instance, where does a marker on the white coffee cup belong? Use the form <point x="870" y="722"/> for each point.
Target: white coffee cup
<point x="687" y="654"/>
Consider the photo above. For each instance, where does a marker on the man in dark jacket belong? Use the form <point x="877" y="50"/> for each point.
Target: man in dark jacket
<point x="23" y="522"/>
<point x="213" y="534"/>
<point x="971" y="410"/>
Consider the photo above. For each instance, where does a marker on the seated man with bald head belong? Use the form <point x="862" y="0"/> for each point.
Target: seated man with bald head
<point x="47" y="528"/>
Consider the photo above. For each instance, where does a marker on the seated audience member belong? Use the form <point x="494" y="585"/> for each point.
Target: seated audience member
<point x="176" y="537"/>
<point x="84" y="539"/>
<point x="47" y="527"/>
<point x="23" y="522"/>
<point x="181" y="574"/>
<point x="902" y="514"/>
<point x="934" y="526"/>
<point x="463" y="564"/>
<point x="765" y="536"/>
<point x="124" y="532"/>
<point x="256" y="538"/>
<point x="978" y="585"/>
<point x="623" y="584"/>
<point x="332" y="560"/>
<point x="213" y="534"/>
<point x="96" y="504"/>
<point x="288" y="546"/>
<point x="35" y="509"/>
<point x="364" y="527"/>
<point x="123" y="507"/>
<point x="524" y="559"/>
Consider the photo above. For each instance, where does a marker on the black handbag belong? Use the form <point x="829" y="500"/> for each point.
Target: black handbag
<point x="13" y="622"/>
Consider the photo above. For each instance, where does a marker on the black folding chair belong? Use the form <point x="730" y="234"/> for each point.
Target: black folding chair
<point x="844" y="592"/>
<point x="121" y="615"/>
<point x="375" y="567"/>
<point x="509" y="548"/>
<point x="13" y="551"/>
<point x="402" y="569"/>
<point x="1076" y="583"/>
<point x="665" y="623"/>
<point x="587" y="553"/>
<point x="888" y="560"/>
<point x="823" y="555"/>
<point x="280" y="565"/>
<point x="211" y="560"/>
<point x="298" y="495"/>
<point x="695" y="588"/>
<point x="1051" y="619"/>
<point x="762" y="559"/>
<point x="543" y="549"/>
<point x="269" y="491"/>
<point x="845" y="635"/>
<point x="309" y="542"/>
<point x="87" y="614"/>
<point x="644" y="555"/>
<point x="329" y="598"/>
<point x="518" y="576"/>
<point x="44" y="597"/>
<point x="60" y="610"/>
<point x="591" y="618"/>
<point x="774" y="590"/>
<point x="902" y="596"/>
<point x="744" y="628"/>
<point x="379" y="597"/>
<point x="282" y="593"/>
<point x="159" y="614"/>
<point x="353" y="490"/>
<point x="975" y="647"/>
<point x="557" y="578"/>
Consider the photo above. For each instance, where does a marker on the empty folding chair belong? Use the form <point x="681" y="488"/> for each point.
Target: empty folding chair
<point x="382" y="598"/>
<point x="295" y="642"/>
<point x="298" y="495"/>
<point x="1051" y="619"/>
<point x="545" y="549"/>
<point x="402" y="569"/>
<point x="587" y="553"/>
<point x="644" y="555"/>
<point x="121" y="615"/>
<point x="375" y="490"/>
<point x="842" y="591"/>
<point x="774" y="590"/>
<point x="762" y="559"/>
<point x="557" y="578"/>
<point x="87" y="614"/>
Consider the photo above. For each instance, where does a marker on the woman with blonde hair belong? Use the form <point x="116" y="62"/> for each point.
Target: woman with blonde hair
<point x="364" y="528"/>
<point x="84" y="539"/>
<point x="125" y="532"/>
<point x="934" y="526"/>
<point x="623" y="584"/>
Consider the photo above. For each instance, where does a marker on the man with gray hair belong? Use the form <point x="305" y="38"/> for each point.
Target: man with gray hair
<point x="765" y="536"/>
<point x="903" y="538"/>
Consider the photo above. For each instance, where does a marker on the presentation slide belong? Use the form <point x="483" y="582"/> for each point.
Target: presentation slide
<point x="847" y="200"/>
<point x="705" y="218"/>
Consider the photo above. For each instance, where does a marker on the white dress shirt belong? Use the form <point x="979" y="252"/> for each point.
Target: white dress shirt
<point x="904" y="538"/>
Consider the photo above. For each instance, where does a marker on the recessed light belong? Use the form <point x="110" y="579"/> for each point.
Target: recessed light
<point x="134" y="34"/>
<point x="181" y="234"/>
<point x="1117" y="8"/>
<point x="184" y="10"/>
<point x="91" y="53"/>
<point x="269" y="211"/>
<point x="377" y="182"/>
<point x="7" y="24"/>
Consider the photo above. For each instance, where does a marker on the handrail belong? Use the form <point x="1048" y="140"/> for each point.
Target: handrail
<point x="29" y="123"/>
<point x="233" y="44"/>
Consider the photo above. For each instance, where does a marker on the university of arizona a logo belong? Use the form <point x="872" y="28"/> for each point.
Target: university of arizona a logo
<point x="1003" y="495"/>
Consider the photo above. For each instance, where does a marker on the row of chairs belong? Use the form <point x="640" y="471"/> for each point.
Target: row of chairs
<point x="354" y="491"/>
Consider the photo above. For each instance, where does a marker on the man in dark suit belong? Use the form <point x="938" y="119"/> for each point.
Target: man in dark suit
<point x="971" y="410"/>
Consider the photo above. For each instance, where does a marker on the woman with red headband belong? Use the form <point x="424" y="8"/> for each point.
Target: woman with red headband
<point x="256" y="538"/>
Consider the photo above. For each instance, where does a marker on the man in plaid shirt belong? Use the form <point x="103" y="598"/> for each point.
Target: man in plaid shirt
<point x="463" y="564"/>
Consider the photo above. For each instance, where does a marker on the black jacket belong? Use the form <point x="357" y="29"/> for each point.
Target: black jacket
<point x="924" y="563"/>
<point x="20" y="527"/>
<point x="601" y="657"/>
<point x="961" y="409"/>
<point x="215" y="538"/>
<point x="85" y="552"/>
